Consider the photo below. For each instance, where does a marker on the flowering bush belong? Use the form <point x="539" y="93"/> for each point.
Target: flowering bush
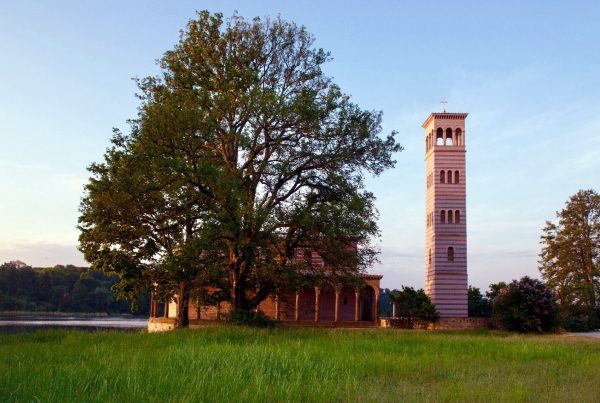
<point x="525" y="306"/>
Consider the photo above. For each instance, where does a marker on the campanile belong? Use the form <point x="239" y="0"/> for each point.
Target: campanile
<point x="445" y="213"/>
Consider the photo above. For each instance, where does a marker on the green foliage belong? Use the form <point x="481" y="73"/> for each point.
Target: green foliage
<point x="413" y="304"/>
<point x="579" y="319"/>
<point x="526" y="306"/>
<point x="60" y="288"/>
<point x="479" y="307"/>
<point x="570" y="258"/>
<point x="243" y="153"/>
<point x="385" y="303"/>
<point x="250" y="318"/>
<point x="225" y="364"/>
<point x="494" y="290"/>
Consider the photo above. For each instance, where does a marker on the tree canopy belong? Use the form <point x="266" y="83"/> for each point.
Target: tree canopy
<point x="570" y="257"/>
<point x="243" y="161"/>
<point x="414" y="304"/>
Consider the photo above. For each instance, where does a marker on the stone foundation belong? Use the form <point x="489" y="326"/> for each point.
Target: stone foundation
<point x="161" y="324"/>
<point x="452" y="323"/>
<point x="459" y="324"/>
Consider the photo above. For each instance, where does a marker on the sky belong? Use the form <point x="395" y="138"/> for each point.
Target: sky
<point x="528" y="74"/>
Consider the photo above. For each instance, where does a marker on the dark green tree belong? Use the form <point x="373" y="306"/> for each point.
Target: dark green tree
<point x="494" y="290"/>
<point x="479" y="306"/>
<point x="243" y="153"/>
<point x="570" y="257"/>
<point x="413" y="304"/>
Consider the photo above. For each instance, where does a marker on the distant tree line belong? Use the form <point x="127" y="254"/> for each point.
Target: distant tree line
<point x="61" y="289"/>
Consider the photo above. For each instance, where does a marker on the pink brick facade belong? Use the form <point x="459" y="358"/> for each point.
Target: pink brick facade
<point x="308" y="306"/>
<point x="446" y="213"/>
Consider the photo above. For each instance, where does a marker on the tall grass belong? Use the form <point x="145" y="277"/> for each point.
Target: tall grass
<point x="239" y="364"/>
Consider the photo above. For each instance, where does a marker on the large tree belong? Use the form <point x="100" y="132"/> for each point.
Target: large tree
<point x="570" y="257"/>
<point x="245" y="158"/>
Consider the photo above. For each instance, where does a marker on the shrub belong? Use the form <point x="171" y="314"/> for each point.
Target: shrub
<point x="414" y="304"/>
<point x="579" y="319"/>
<point x="250" y="318"/>
<point x="479" y="306"/>
<point x="526" y="306"/>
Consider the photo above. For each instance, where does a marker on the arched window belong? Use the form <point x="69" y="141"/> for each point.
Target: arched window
<point x="451" y="254"/>
<point x="458" y="137"/>
<point x="442" y="176"/>
<point x="448" y="137"/>
<point x="430" y="256"/>
<point x="443" y="217"/>
<point x="450" y="217"/>
<point x="439" y="137"/>
<point x="449" y="176"/>
<point x="456" y="177"/>
<point x="427" y="144"/>
<point x="457" y="216"/>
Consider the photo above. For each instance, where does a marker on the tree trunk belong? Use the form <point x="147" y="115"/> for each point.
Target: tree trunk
<point x="182" y="305"/>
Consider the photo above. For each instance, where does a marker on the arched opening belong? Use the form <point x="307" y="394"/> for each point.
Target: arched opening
<point x="458" y="137"/>
<point x="451" y="254"/>
<point x="367" y="299"/>
<point x="327" y="304"/>
<point x="449" y="176"/>
<point x="442" y="176"/>
<point x="443" y="217"/>
<point x="456" y="177"/>
<point x="457" y="216"/>
<point x="306" y="308"/>
<point x="450" y="217"/>
<point x="347" y="304"/>
<point x="429" y="255"/>
<point x="448" y="137"/>
<point x="439" y="137"/>
<point x="427" y="144"/>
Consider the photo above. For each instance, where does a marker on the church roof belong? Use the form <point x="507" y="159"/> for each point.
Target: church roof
<point x="444" y="115"/>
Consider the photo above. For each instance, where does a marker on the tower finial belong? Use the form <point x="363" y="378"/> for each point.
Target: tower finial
<point x="443" y="102"/>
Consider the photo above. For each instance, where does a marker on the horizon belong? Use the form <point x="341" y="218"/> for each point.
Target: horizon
<point x="532" y="136"/>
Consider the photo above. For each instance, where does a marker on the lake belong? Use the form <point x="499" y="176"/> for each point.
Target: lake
<point x="37" y="323"/>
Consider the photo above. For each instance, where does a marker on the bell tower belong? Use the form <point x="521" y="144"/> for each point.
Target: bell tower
<point x="445" y="213"/>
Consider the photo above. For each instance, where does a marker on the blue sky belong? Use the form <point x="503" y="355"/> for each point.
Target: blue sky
<point x="528" y="74"/>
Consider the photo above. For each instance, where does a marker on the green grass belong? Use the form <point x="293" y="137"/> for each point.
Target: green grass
<point x="237" y="364"/>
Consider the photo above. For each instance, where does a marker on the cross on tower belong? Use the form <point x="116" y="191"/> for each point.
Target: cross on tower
<point x="443" y="102"/>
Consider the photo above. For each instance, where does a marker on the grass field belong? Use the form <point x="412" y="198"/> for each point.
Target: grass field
<point x="238" y="364"/>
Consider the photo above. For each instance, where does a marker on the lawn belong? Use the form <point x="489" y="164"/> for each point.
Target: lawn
<point x="239" y="364"/>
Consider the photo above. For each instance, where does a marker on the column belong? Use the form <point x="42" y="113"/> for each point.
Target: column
<point x="296" y="316"/>
<point x="356" y="297"/>
<point x="337" y="304"/>
<point x="152" y="313"/>
<point x="277" y="308"/>
<point x="317" y="292"/>
<point x="376" y="307"/>
<point x="167" y="308"/>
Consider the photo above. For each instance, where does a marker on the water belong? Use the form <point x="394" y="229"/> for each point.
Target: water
<point x="32" y="324"/>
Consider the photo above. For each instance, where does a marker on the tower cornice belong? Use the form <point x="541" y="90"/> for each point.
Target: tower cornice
<point x="444" y="115"/>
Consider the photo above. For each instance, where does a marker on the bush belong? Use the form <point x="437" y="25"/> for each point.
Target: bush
<point x="250" y="318"/>
<point x="526" y="306"/>
<point x="479" y="306"/>
<point x="414" y="304"/>
<point x="579" y="319"/>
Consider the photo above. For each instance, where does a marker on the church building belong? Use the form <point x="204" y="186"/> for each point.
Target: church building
<point x="445" y="252"/>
